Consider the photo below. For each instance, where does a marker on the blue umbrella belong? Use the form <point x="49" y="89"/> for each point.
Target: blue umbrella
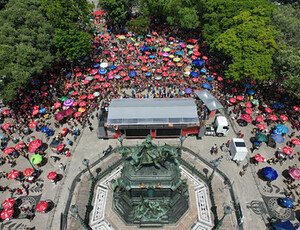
<point x="102" y="71"/>
<point x="144" y="48"/>
<point x="132" y="74"/>
<point x="50" y="132"/>
<point x="198" y="62"/>
<point x="251" y="92"/>
<point x="283" y="128"/>
<point x="247" y="85"/>
<point x="194" y="74"/>
<point x="270" y="173"/>
<point x="188" y="90"/>
<point x="113" y="67"/>
<point x="68" y="75"/>
<point x="206" y="86"/>
<point x="96" y="65"/>
<point x="148" y="74"/>
<point x="278" y="105"/>
<point x="45" y="129"/>
<point x="179" y="53"/>
<point x="286" y="225"/>
<point x="108" y="30"/>
<point x="276" y="131"/>
<point x="151" y="56"/>
<point x="209" y="78"/>
<point x="203" y="70"/>
<point x="287" y="203"/>
<point x="42" y="110"/>
<point x="100" y="48"/>
<point x="278" y="138"/>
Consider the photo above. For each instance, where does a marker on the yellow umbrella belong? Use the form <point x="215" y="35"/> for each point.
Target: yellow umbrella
<point x="176" y="59"/>
<point x="171" y="56"/>
<point x="81" y="109"/>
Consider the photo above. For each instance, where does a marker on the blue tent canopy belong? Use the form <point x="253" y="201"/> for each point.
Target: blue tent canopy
<point x="270" y="173"/>
<point x="198" y="62"/>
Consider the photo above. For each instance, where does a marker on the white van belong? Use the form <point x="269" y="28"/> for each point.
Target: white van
<point x="238" y="149"/>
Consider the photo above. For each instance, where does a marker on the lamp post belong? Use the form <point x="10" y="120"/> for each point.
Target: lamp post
<point x="227" y="210"/>
<point x="86" y="162"/>
<point x="182" y="139"/>
<point x="120" y="139"/>
<point x="74" y="209"/>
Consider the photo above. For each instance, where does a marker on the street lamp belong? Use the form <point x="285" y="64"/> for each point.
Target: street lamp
<point x="86" y="162"/>
<point x="227" y="210"/>
<point x="74" y="209"/>
<point x="120" y="139"/>
<point x="182" y="139"/>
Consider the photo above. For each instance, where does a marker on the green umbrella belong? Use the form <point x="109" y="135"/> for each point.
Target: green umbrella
<point x="133" y="39"/>
<point x="141" y="36"/>
<point x="261" y="137"/>
<point x="121" y="37"/>
<point x="63" y="98"/>
<point x="255" y="102"/>
<point x="190" y="52"/>
<point x="36" y="159"/>
<point x="167" y="49"/>
<point x="152" y="47"/>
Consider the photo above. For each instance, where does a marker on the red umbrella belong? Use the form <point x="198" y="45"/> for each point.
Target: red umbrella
<point x="287" y="150"/>
<point x="101" y="79"/>
<point x="295" y="173"/>
<point x="246" y="117"/>
<point x="74" y="93"/>
<point x="59" y="116"/>
<point x="232" y="100"/>
<point x="28" y="172"/>
<point x="69" y="112"/>
<point x="52" y="175"/>
<point x="126" y="78"/>
<point x="204" y="58"/>
<point x="35" y="112"/>
<point x="5" y="112"/>
<point x="268" y="110"/>
<point x="220" y="85"/>
<point x="248" y="110"/>
<point x="105" y="85"/>
<point x="220" y="79"/>
<point x="170" y="64"/>
<point x="165" y="74"/>
<point x="34" y="145"/>
<point x="32" y="124"/>
<point x="83" y="97"/>
<point x="296" y="141"/>
<point x="19" y="146"/>
<point x="60" y="147"/>
<point x="261" y="126"/>
<point x="6" y="213"/>
<point x="195" y="79"/>
<point x="5" y="126"/>
<point x="9" y="203"/>
<point x="42" y="206"/>
<point x="259" y="158"/>
<point x="57" y="105"/>
<point x="77" y="114"/>
<point x="283" y="117"/>
<point x="259" y="118"/>
<point x="13" y="174"/>
<point x="82" y="103"/>
<point x="8" y="150"/>
<point x="96" y="87"/>
<point x="123" y="74"/>
<point x="91" y="96"/>
<point x="273" y="117"/>
<point x="68" y="85"/>
<point x="248" y="104"/>
<point x="158" y="71"/>
<point x="240" y="98"/>
<point x="86" y="82"/>
<point x="296" y="108"/>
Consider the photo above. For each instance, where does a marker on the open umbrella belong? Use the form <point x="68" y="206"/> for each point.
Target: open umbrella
<point x="286" y="202"/>
<point x="45" y="129"/>
<point x="198" y="62"/>
<point x="270" y="173"/>
<point x="69" y="112"/>
<point x="19" y="146"/>
<point x="6" y="213"/>
<point x="28" y="172"/>
<point x="9" y="203"/>
<point x="248" y="104"/>
<point x="34" y="145"/>
<point x="259" y="119"/>
<point x="232" y="100"/>
<point x="283" y="117"/>
<point x="42" y="206"/>
<point x="36" y="159"/>
<point x="295" y="173"/>
<point x="282" y="128"/>
<point x="261" y="126"/>
<point x="277" y="138"/>
<point x="13" y="174"/>
<point x="59" y="116"/>
<point x="60" y="147"/>
<point x="286" y="225"/>
<point x="248" y="111"/>
<point x="68" y="102"/>
<point x="259" y="158"/>
<point x="268" y="110"/>
<point x="52" y="175"/>
<point x="261" y="137"/>
<point x="188" y="90"/>
<point x="5" y="126"/>
<point x="194" y="74"/>
<point x="246" y="117"/>
<point x="206" y="86"/>
<point x="240" y="98"/>
<point x="277" y="131"/>
<point x="273" y="117"/>
<point x="296" y="141"/>
<point x="287" y="150"/>
<point x="8" y="150"/>
<point x="32" y="124"/>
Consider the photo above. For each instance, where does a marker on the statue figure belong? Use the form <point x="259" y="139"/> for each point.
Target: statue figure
<point x="151" y="210"/>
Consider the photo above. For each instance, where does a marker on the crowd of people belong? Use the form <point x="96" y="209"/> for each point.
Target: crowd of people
<point x="166" y="63"/>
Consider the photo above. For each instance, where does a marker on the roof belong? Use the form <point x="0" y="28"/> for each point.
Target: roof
<point x="209" y="100"/>
<point x="152" y="111"/>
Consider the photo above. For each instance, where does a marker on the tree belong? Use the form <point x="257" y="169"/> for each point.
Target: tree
<point x="139" y="25"/>
<point x="116" y="10"/>
<point x="73" y="44"/>
<point x="67" y="14"/>
<point x="26" y="45"/>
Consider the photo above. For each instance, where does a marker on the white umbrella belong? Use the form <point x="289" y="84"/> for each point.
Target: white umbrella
<point x="117" y="76"/>
<point x="96" y="94"/>
<point x="158" y="78"/>
<point x="104" y="65"/>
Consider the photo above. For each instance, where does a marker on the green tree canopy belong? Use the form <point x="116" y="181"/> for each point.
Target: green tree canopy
<point x="26" y="45"/>
<point x="116" y="10"/>
<point x="139" y="25"/>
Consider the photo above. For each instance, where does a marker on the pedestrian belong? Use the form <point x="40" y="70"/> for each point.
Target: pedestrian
<point x="61" y="167"/>
<point x="242" y="173"/>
